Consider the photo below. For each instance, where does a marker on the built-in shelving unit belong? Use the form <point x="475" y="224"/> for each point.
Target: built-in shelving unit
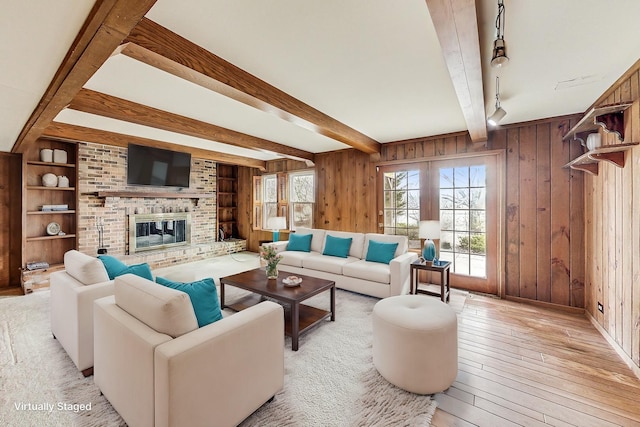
<point x="227" y="192"/>
<point x="589" y="161"/>
<point x="37" y="244"/>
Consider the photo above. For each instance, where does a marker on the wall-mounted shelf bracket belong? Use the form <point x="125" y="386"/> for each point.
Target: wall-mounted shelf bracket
<point x="589" y="161"/>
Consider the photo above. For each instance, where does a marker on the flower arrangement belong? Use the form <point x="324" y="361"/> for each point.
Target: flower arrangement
<point x="269" y="254"/>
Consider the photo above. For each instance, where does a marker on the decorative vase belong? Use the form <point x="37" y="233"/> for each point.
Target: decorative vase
<point x="46" y="155"/>
<point x="49" y="180"/>
<point x="429" y="250"/>
<point x="272" y="271"/>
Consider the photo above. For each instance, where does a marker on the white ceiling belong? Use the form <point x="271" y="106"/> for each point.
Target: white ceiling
<point x="374" y="65"/>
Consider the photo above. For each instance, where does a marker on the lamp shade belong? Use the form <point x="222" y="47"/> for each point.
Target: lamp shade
<point x="429" y="229"/>
<point x="277" y="223"/>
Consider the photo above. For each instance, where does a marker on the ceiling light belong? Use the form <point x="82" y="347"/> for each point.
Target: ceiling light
<point x="499" y="114"/>
<point x="499" y="57"/>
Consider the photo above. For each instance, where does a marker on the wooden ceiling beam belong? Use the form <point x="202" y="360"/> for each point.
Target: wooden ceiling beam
<point x="161" y="48"/>
<point x="101" y="104"/>
<point x="109" y="22"/>
<point x="456" y="24"/>
<point x="74" y="133"/>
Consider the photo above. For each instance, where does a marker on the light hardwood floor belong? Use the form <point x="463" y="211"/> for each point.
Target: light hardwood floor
<point x="520" y="364"/>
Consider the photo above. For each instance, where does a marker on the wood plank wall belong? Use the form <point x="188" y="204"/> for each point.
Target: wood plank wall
<point x="10" y="208"/>
<point x="612" y="235"/>
<point x="544" y="229"/>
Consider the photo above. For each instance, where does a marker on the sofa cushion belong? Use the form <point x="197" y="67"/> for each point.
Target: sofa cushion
<point x="116" y="268"/>
<point x="294" y="258"/>
<point x="84" y="268"/>
<point x="403" y="242"/>
<point x="357" y="242"/>
<point x="381" y="251"/>
<point x="328" y="264"/>
<point x="317" y="241"/>
<point x="166" y="310"/>
<point x="203" y="295"/>
<point x="366" y="270"/>
<point x="337" y="246"/>
<point x="299" y="242"/>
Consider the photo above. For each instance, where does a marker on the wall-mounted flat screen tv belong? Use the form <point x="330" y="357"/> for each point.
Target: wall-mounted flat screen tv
<point x="157" y="167"/>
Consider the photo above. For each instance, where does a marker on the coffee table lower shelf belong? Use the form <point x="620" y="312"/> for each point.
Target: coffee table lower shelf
<point x="308" y="316"/>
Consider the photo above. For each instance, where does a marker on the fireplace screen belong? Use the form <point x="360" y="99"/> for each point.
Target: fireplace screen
<point x="158" y="231"/>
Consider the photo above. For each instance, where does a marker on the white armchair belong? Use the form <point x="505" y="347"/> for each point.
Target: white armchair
<point x="73" y="291"/>
<point x="157" y="368"/>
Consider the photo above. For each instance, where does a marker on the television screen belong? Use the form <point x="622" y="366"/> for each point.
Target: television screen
<point x="157" y="167"/>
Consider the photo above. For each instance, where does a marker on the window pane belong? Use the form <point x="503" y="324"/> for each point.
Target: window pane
<point x="446" y="241"/>
<point x="413" y="198"/>
<point x="301" y="187"/>
<point x="477" y="221"/>
<point x="302" y="215"/>
<point x="270" y="188"/>
<point x="461" y="178"/>
<point x="477" y="198"/>
<point x="461" y="263"/>
<point x="461" y="220"/>
<point x="446" y="178"/>
<point x="477" y="244"/>
<point x="413" y="178"/>
<point x="461" y="198"/>
<point x="446" y="220"/>
<point x="477" y="176"/>
<point x="446" y="199"/>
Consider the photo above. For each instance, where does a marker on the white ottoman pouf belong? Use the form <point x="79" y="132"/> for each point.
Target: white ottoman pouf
<point x="415" y="343"/>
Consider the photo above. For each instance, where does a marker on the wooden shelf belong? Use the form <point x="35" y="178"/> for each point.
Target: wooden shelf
<point x="42" y="187"/>
<point x="66" y="236"/>
<point x="151" y="194"/>
<point x="589" y="161"/>
<point x="609" y="117"/>
<point x="61" y="165"/>
<point x="50" y="212"/>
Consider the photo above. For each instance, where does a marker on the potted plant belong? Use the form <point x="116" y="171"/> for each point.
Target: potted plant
<point x="271" y="257"/>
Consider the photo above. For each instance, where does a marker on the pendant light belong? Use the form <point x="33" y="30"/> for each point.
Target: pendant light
<point x="499" y="57"/>
<point x="499" y="114"/>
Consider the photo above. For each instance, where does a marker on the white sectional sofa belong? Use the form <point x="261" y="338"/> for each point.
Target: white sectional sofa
<point x="354" y="272"/>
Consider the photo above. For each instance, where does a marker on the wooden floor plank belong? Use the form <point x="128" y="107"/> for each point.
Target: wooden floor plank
<point x="522" y="364"/>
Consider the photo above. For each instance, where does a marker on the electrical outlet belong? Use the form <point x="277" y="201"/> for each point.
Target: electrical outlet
<point x="600" y="307"/>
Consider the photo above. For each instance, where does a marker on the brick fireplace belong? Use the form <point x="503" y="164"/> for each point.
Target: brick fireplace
<point x="103" y="168"/>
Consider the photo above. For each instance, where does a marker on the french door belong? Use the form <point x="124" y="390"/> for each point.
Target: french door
<point x="465" y="193"/>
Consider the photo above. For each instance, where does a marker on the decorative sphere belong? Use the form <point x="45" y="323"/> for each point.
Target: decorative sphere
<point x="49" y="180"/>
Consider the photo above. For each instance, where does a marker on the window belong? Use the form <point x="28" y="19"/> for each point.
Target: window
<point x="402" y="204"/>
<point x="289" y="195"/>
<point x="463" y="219"/>
<point x="302" y="199"/>
<point x="269" y="198"/>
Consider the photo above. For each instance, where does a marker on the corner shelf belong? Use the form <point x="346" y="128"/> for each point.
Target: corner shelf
<point x="589" y="161"/>
<point x="609" y="117"/>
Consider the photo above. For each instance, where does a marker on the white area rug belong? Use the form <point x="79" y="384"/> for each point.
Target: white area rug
<point x="330" y="381"/>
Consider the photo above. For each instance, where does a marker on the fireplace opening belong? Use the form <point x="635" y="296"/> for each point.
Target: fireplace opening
<point x="158" y="231"/>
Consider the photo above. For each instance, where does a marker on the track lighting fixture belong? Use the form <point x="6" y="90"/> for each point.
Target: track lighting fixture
<point x="499" y="114"/>
<point x="499" y="57"/>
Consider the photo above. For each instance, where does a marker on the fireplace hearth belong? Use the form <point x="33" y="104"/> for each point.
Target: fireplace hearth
<point x="157" y="231"/>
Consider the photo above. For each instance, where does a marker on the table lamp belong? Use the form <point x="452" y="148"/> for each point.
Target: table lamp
<point x="276" y="224"/>
<point x="430" y="231"/>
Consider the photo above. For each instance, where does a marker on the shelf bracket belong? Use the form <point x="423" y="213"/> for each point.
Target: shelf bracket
<point x="590" y="168"/>
<point x="616" y="157"/>
<point x="612" y="122"/>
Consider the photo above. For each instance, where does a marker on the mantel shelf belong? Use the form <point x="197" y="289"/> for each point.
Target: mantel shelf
<point x="146" y="195"/>
<point x="589" y="161"/>
<point x="609" y="117"/>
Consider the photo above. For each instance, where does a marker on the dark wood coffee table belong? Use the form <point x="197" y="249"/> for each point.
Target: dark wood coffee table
<point x="298" y="317"/>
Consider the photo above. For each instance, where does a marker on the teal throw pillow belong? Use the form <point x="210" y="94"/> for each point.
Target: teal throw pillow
<point x="142" y="270"/>
<point x="337" y="246"/>
<point x="299" y="242"/>
<point x="116" y="268"/>
<point x="381" y="252"/>
<point x="203" y="295"/>
<point x="113" y="265"/>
